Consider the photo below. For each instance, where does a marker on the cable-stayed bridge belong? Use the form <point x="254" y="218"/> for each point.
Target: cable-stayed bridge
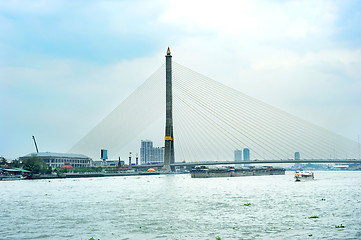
<point x="210" y="121"/>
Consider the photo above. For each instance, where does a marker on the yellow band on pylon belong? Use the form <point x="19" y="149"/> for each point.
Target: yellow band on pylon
<point x="169" y="138"/>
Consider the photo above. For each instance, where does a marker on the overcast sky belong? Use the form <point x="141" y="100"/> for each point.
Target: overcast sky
<point x="65" y="65"/>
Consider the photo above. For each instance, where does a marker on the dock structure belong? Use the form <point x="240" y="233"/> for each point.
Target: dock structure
<point x="169" y="138"/>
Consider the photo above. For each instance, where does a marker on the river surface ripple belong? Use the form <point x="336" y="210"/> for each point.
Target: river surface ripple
<point x="181" y="207"/>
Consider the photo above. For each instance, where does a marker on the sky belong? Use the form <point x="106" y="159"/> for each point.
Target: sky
<point x="65" y="65"/>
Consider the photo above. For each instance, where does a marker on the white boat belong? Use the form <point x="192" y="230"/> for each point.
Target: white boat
<point x="304" y="175"/>
<point x="11" y="177"/>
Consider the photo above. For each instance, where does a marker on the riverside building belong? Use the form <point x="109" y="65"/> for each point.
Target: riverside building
<point x="57" y="160"/>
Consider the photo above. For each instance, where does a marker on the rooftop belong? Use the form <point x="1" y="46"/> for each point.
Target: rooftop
<point x="51" y="154"/>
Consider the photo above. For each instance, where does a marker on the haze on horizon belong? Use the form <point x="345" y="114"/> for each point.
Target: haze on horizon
<point x="64" y="66"/>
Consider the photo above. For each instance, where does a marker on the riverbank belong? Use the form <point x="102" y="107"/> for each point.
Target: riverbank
<point x="92" y="175"/>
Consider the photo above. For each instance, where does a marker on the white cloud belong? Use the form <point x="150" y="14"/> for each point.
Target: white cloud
<point x="260" y="20"/>
<point x="36" y="6"/>
<point x="282" y="53"/>
<point x="226" y="16"/>
<point x="65" y="98"/>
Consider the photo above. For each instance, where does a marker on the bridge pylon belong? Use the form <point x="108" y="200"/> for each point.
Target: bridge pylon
<point x="169" y="138"/>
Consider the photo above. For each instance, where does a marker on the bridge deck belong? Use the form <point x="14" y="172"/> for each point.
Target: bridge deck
<point x="256" y="162"/>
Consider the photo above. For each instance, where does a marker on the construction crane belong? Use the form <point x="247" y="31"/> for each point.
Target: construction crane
<point x="36" y="146"/>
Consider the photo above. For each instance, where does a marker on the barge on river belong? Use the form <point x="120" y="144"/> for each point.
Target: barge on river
<point x="205" y="172"/>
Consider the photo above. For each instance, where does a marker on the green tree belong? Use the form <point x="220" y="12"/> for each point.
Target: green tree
<point x="35" y="165"/>
<point x="49" y="170"/>
<point x="62" y="171"/>
<point x="87" y="169"/>
<point x="3" y="161"/>
<point x="15" y="163"/>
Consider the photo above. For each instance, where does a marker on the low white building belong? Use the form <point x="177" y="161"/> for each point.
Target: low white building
<point x="57" y="160"/>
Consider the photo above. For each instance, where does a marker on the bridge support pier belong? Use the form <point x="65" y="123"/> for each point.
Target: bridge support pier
<point x="169" y="138"/>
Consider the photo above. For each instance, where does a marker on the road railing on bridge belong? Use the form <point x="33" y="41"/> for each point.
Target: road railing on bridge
<point x="342" y="161"/>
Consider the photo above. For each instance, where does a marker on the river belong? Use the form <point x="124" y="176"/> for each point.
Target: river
<point x="181" y="207"/>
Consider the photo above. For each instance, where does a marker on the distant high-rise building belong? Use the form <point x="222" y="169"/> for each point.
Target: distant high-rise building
<point x="145" y="148"/>
<point x="297" y="157"/>
<point x="150" y="154"/>
<point x="246" y="156"/>
<point x="238" y="157"/>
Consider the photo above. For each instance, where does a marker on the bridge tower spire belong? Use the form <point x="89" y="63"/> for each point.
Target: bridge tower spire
<point x="169" y="138"/>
